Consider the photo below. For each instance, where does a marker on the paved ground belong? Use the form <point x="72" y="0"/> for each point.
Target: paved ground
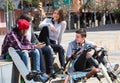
<point x="107" y="36"/>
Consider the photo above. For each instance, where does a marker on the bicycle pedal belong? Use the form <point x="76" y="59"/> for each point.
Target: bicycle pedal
<point x="116" y="67"/>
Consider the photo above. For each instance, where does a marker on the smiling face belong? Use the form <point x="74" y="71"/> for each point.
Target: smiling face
<point x="79" y="38"/>
<point x="56" y="15"/>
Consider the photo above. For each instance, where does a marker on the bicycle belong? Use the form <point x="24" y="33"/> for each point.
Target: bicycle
<point x="69" y="76"/>
<point x="111" y="74"/>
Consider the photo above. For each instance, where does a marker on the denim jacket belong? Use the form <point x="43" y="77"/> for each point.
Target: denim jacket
<point x="72" y="46"/>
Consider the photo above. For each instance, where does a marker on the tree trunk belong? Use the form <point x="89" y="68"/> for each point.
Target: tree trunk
<point x="110" y="18"/>
<point x="10" y="23"/>
<point x="103" y="19"/>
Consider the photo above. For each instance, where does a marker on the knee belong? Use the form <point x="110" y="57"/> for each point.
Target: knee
<point x="61" y="49"/>
<point x="94" y="69"/>
<point x="25" y="54"/>
<point x="35" y="52"/>
<point x="46" y="49"/>
<point x="90" y="53"/>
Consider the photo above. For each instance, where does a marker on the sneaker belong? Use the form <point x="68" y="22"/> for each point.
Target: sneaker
<point x="52" y="74"/>
<point x="41" y="78"/>
<point x="44" y="78"/>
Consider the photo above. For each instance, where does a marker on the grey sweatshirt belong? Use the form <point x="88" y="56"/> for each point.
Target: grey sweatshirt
<point x="60" y="28"/>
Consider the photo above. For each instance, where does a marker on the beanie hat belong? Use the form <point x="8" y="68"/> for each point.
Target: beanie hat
<point x="23" y="24"/>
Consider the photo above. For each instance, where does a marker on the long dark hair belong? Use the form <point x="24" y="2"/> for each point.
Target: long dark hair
<point x="62" y="14"/>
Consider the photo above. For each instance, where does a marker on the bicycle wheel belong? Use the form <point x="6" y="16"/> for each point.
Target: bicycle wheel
<point x="116" y="77"/>
<point x="117" y="80"/>
<point x="118" y="73"/>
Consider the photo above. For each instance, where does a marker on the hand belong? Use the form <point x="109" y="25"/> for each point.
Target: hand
<point x="25" y="51"/>
<point x="40" y="45"/>
<point x="90" y="53"/>
<point x="52" y="27"/>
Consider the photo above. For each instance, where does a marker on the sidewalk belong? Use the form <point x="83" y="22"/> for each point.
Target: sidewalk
<point x="110" y="40"/>
<point x="107" y="39"/>
<point x="107" y="36"/>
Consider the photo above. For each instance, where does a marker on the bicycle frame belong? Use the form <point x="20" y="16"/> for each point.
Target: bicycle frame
<point x="68" y="71"/>
<point x="108" y="74"/>
<point x="69" y="74"/>
<point x="103" y="69"/>
<point x="104" y="72"/>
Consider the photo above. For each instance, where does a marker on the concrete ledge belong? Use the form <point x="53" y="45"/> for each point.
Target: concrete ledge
<point x="6" y="71"/>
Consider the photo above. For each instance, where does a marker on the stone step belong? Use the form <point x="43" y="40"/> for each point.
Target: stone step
<point x="6" y="71"/>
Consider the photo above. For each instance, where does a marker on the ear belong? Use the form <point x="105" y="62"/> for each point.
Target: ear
<point x="17" y="25"/>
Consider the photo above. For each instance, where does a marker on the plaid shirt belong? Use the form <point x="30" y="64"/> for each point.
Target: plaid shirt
<point x="12" y="39"/>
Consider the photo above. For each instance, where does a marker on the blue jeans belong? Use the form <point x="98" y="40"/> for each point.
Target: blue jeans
<point x="48" y="59"/>
<point x="24" y="56"/>
<point x="35" y="56"/>
<point x="44" y="37"/>
<point x="42" y="61"/>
